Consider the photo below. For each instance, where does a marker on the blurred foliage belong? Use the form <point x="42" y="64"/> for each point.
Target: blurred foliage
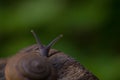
<point x="91" y="30"/>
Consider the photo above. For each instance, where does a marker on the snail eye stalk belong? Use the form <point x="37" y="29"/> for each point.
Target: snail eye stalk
<point x="44" y="50"/>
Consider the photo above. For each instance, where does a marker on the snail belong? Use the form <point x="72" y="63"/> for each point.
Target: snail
<point x="32" y="65"/>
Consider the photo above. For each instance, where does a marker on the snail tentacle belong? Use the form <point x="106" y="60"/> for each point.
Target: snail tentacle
<point x="44" y="50"/>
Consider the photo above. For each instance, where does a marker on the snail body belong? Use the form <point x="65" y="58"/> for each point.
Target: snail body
<point x="31" y="65"/>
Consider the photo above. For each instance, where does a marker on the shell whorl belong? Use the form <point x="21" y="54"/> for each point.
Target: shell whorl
<point x="34" y="66"/>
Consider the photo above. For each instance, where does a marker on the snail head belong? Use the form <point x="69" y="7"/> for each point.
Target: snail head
<point x="44" y="50"/>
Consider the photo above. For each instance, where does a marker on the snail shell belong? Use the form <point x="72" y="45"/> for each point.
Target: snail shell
<point x="31" y="65"/>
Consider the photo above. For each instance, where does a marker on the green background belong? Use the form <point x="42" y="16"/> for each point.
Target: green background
<point x="90" y="28"/>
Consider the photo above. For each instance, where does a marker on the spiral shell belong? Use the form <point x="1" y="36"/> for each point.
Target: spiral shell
<point x="29" y="66"/>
